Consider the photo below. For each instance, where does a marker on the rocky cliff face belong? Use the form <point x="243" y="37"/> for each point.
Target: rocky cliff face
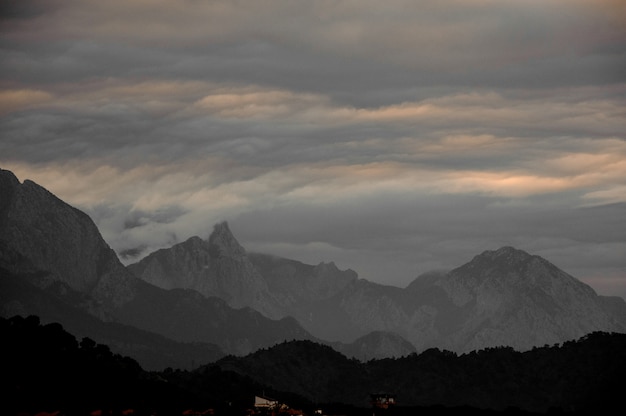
<point x="61" y="240"/>
<point x="218" y="266"/>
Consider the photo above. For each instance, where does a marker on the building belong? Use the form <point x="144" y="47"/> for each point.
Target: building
<point x="265" y="403"/>
<point x="382" y="400"/>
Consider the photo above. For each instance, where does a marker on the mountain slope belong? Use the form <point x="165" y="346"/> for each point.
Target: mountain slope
<point x="516" y="299"/>
<point x="581" y="375"/>
<point x="294" y="283"/>
<point x="48" y="243"/>
<point x="59" y="303"/>
<point x="60" y="240"/>
<point x="502" y="297"/>
<point x="218" y="267"/>
<point x="375" y="346"/>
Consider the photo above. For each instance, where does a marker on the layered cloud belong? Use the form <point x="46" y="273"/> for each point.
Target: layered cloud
<point x="390" y="137"/>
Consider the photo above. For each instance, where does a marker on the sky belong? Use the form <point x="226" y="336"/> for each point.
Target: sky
<point x="392" y="138"/>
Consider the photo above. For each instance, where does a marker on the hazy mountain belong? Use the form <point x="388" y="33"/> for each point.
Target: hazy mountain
<point x="376" y="345"/>
<point x="218" y="267"/>
<point x="510" y="297"/>
<point x="55" y="247"/>
<point x="294" y="283"/>
<point x="503" y="297"/>
<point x="59" y="303"/>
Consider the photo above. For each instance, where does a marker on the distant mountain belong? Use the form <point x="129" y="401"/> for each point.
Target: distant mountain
<point x="56" y="248"/>
<point x="217" y="267"/>
<point x="510" y="297"/>
<point x="279" y="287"/>
<point x="294" y="283"/>
<point x="502" y="297"/>
<point x="376" y="345"/>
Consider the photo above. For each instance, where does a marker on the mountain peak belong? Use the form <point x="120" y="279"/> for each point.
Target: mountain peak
<point x="224" y="241"/>
<point x="8" y="185"/>
<point x="506" y="257"/>
<point x="506" y="252"/>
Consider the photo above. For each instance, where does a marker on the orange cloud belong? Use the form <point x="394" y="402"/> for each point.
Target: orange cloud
<point x="17" y="100"/>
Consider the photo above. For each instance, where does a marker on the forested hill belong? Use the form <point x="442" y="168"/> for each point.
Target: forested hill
<point x="46" y="368"/>
<point x="583" y="374"/>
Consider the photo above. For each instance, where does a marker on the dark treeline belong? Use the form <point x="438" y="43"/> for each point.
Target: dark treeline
<point x="582" y="375"/>
<point x="44" y="368"/>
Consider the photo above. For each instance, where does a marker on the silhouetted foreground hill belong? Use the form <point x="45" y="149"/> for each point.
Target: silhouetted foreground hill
<point x="579" y="375"/>
<point x="46" y="369"/>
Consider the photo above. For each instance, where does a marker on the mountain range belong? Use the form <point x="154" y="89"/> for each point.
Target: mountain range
<point x="206" y="297"/>
<point x="502" y="297"/>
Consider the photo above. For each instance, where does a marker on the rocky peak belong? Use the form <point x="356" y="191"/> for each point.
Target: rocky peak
<point x="216" y="267"/>
<point x="504" y="257"/>
<point x="510" y="297"/>
<point x="224" y="243"/>
<point x="8" y="185"/>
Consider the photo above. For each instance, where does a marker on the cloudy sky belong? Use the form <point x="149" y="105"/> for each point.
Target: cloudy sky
<point x="391" y="137"/>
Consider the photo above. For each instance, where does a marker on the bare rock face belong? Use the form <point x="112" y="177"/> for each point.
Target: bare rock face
<point x="63" y="241"/>
<point x="218" y="266"/>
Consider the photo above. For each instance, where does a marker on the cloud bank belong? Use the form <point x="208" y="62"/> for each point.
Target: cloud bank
<point x="392" y="138"/>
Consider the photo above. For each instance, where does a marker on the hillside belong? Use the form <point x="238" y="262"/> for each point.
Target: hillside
<point x="578" y="375"/>
<point x="575" y="378"/>
<point x="49" y="245"/>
